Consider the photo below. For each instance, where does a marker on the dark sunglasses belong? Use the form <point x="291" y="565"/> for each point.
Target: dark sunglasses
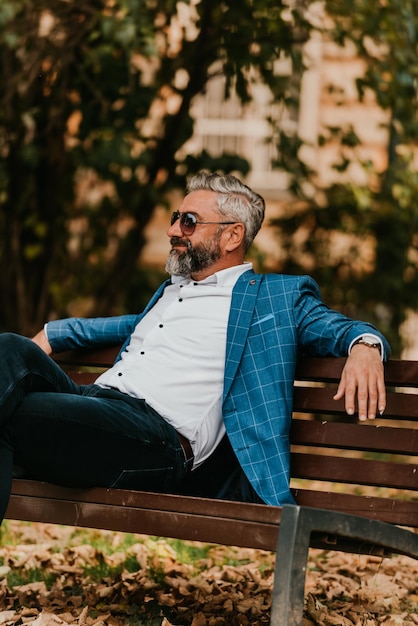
<point x="188" y="222"/>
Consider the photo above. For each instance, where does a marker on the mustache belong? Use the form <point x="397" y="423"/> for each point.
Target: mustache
<point x="178" y="241"/>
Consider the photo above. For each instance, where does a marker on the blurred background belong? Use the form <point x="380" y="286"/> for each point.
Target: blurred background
<point x="108" y="107"/>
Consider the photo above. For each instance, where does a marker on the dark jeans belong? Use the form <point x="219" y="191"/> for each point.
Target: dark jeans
<point x="220" y="477"/>
<point x="75" y="435"/>
<point x="86" y="436"/>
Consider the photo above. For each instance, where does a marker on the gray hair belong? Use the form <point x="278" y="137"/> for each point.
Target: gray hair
<point x="235" y="200"/>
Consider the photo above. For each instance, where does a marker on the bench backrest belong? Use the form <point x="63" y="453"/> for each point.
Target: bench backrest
<point x="366" y="468"/>
<point x="369" y="469"/>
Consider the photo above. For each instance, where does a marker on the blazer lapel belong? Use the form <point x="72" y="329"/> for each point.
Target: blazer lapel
<point x="244" y="297"/>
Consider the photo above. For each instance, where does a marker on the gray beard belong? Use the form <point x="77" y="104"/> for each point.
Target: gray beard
<point x="196" y="259"/>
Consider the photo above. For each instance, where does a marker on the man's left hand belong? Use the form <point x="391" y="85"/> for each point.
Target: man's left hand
<point x="363" y="376"/>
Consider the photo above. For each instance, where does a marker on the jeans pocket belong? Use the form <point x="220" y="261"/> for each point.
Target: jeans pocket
<point x="156" y="479"/>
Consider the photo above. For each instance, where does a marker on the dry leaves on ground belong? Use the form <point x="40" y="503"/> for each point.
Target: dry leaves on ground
<point x="63" y="583"/>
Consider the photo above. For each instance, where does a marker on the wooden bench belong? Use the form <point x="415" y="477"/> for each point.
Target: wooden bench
<point x="331" y="455"/>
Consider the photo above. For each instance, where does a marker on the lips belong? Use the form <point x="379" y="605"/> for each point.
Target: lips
<point x="177" y="242"/>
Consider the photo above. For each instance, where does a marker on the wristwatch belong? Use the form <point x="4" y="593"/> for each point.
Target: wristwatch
<point x="368" y="340"/>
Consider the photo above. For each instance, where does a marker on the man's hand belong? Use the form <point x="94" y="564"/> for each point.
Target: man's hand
<point x="363" y="376"/>
<point x="42" y="341"/>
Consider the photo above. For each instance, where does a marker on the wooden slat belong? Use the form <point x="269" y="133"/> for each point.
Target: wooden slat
<point x="402" y="373"/>
<point x="316" y="400"/>
<point x="361" y="437"/>
<point x="319" y="369"/>
<point x="401" y="406"/>
<point x="83" y="378"/>
<point x="254" y="526"/>
<point x="94" y="357"/>
<point x="390" y="510"/>
<point x="149" y="500"/>
<point x="319" y="400"/>
<point x="354" y="471"/>
<point x="193" y="527"/>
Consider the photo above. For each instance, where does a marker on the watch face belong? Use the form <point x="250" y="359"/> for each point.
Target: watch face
<point x="370" y="339"/>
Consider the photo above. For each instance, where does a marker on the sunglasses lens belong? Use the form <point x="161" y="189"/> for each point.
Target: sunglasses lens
<point x="174" y="217"/>
<point x="187" y="223"/>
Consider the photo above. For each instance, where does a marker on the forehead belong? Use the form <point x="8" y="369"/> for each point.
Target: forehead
<point x="201" y="202"/>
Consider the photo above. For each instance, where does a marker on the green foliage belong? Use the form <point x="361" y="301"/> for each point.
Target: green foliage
<point x="102" y="569"/>
<point x="189" y="552"/>
<point x="22" y="576"/>
<point x="96" y="96"/>
<point x="379" y="214"/>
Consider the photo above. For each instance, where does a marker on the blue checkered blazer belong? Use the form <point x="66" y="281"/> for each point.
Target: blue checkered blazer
<point x="273" y="319"/>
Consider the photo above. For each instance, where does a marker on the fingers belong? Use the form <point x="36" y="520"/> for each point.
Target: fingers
<point x="367" y="401"/>
<point x="362" y="384"/>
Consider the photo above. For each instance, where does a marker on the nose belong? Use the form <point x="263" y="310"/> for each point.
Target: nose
<point x="174" y="230"/>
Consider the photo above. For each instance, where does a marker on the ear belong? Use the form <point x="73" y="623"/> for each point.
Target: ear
<point x="234" y="236"/>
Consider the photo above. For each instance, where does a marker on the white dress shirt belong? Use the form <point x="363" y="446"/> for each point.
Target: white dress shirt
<point x="176" y="358"/>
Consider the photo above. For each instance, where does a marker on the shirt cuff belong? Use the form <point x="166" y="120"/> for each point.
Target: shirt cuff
<point x="372" y="336"/>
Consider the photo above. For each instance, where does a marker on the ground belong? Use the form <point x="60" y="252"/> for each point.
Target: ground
<point x="58" y="576"/>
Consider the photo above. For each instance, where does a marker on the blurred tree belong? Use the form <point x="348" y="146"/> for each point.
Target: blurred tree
<point x="96" y="96"/>
<point x="378" y="215"/>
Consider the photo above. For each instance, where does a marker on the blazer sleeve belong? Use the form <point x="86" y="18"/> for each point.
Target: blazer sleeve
<point x="323" y="331"/>
<point x="78" y="332"/>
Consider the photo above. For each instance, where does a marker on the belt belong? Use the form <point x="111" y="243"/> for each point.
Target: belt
<point x="187" y="449"/>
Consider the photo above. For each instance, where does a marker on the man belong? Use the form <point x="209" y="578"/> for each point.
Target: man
<point x="200" y="397"/>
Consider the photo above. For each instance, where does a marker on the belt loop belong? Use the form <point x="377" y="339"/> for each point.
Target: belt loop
<point x="187" y="451"/>
<point x="188" y="465"/>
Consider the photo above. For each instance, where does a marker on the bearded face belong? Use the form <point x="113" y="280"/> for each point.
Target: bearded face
<point x="196" y="258"/>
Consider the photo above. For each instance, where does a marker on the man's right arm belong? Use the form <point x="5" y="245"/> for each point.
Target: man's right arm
<point x="76" y="332"/>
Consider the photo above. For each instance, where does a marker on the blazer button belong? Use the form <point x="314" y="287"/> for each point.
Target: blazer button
<point x="252" y="282"/>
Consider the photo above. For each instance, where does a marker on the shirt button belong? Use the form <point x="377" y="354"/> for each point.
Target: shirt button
<point x="180" y="299"/>
<point x="142" y="352"/>
<point x="161" y="326"/>
<point x="119" y="373"/>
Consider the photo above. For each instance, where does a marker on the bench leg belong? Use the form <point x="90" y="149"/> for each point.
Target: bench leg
<point x="290" y="569"/>
<point x="296" y="526"/>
